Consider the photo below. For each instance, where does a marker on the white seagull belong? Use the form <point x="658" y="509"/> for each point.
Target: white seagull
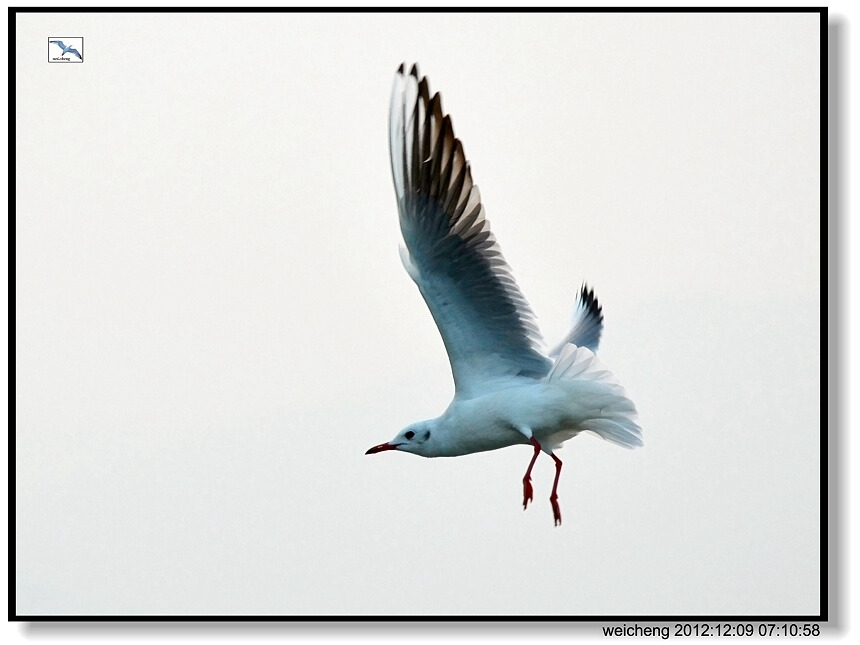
<point x="67" y="49"/>
<point x="507" y="391"/>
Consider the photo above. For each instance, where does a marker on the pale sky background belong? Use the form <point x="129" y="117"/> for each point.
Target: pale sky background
<point x="213" y="325"/>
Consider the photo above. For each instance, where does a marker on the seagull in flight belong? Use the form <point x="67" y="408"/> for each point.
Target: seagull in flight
<point x="507" y="391"/>
<point x="67" y="49"/>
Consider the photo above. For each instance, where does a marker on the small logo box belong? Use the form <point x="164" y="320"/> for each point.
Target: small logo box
<point x="66" y="49"/>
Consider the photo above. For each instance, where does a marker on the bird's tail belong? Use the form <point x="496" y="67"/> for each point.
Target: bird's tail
<point x="599" y="398"/>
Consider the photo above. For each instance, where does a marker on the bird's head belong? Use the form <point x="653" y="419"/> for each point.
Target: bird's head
<point x="416" y="438"/>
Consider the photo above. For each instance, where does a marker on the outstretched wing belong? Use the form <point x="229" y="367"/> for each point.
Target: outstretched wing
<point x="59" y="42"/>
<point x="74" y="51"/>
<point x="486" y="324"/>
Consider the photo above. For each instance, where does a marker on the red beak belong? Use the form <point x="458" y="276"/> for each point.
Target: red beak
<point x="381" y="447"/>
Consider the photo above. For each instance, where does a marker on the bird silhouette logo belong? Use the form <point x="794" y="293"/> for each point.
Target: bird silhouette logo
<point x="67" y="50"/>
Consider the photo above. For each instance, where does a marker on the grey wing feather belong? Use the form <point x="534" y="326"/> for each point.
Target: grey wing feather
<point x="587" y="324"/>
<point x="486" y="324"/>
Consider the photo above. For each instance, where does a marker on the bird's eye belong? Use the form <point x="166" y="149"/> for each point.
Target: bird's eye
<point x="409" y="434"/>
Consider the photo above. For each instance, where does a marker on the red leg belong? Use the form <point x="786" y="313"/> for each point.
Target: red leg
<point x="553" y="498"/>
<point x="528" y="494"/>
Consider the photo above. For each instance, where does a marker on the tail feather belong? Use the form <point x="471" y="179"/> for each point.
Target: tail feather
<point x="610" y="414"/>
<point x="626" y="435"/>
<point x="582" y="363"/>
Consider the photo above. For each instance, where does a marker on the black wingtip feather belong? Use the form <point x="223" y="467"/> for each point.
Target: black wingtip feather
<point x="588" y="298"/>
<point x="424" y="90"/>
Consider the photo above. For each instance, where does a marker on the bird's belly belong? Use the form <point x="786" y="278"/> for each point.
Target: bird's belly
<point x="487" y="436"/>
<point x="503" y="418"/>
